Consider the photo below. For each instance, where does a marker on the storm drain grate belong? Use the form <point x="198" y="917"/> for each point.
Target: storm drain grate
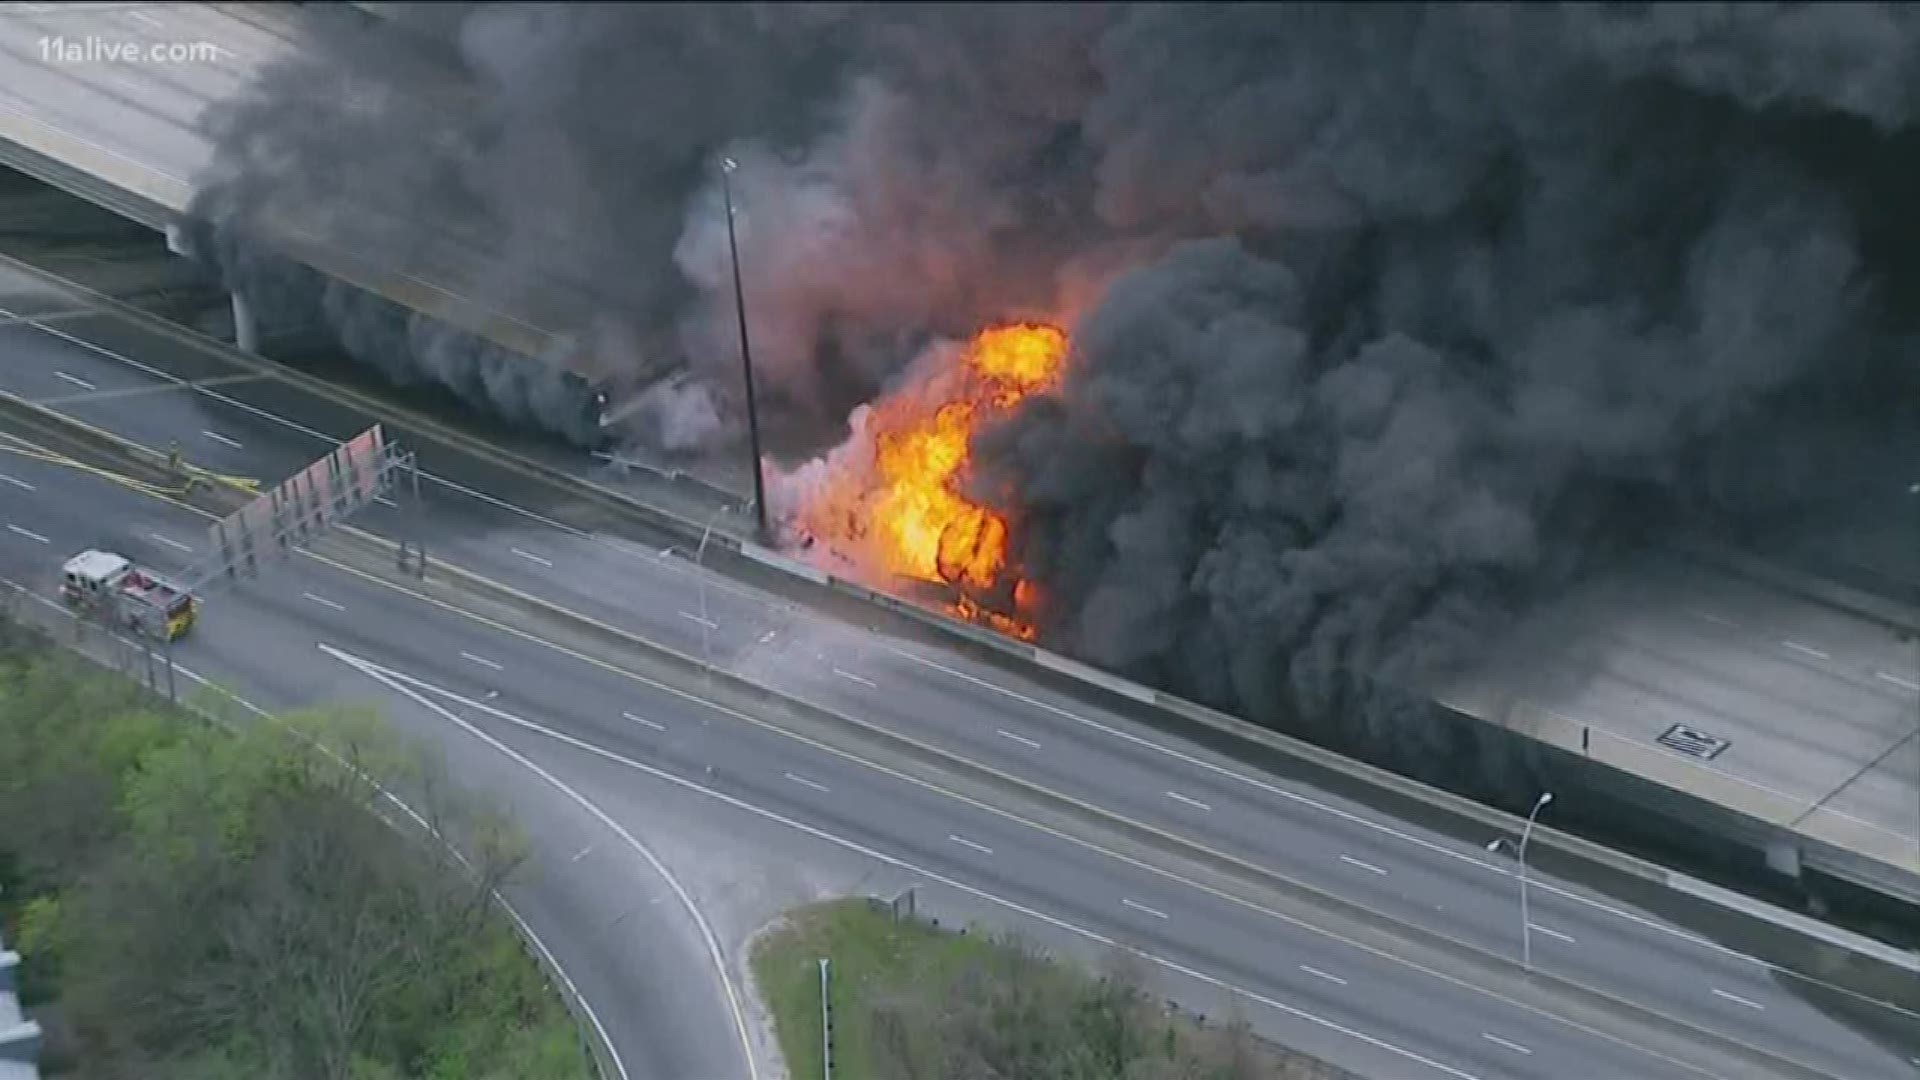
<point x="1693" y="743"/>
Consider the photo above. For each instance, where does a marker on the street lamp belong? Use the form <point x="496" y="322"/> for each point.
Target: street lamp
<point x="727" y="165"/>
<point x="1526" y="921"/>
<point x="700" y="571"/>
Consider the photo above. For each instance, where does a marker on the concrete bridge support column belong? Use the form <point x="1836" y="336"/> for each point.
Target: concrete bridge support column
<point x="246" y="332"/>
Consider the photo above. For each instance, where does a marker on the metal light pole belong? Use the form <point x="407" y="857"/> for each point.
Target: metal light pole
<point x="700" y="571"/>
<point x="826" y="1026"/>
<point x="1526" y="920"/>
<point x="727" y="165"/>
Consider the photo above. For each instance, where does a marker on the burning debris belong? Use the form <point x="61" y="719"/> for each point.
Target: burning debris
<point x="890" y="501"/>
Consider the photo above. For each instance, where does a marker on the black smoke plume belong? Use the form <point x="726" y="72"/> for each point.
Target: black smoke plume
<point x="1386" y="316"/>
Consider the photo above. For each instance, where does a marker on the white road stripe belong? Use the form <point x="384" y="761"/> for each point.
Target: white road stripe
<point x="531" y="557"/>
<point x="145" y="18"/>
<point x="324" y="602"/>
<point x="814" y="784"/>
<point x="1806" y="650"/>
<point x="1737" y="998"/>
<point x="481" y="660"/>
<point x="219" y="438"/>
<point x="29" y="535"/>
<point x="708" y="623"/>
<point x="1021" y="739"/>
<point x="851" y="677"/>
<point x="1138" y="906"/>
<point x="964" y="842"/>
<point x="5" y="479"/>
<point x="384" y="501"/>
<point x="175" y="544"/>
<point x="1362" y="865"/>
<point x="644" y="720"/>
<point x="1318" y="974"/>
<point x="1189" y="800"/>
<point x="1492" y="1038"/>
<point x="1904" y="684"/>
<point x="1538" y="929"/>
<point x="76" y="380"/>
<point x="1710" y="617"/>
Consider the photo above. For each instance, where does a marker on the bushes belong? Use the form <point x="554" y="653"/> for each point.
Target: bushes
<point x="209" y="904"/>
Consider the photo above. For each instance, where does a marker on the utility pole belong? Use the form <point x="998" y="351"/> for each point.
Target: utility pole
<point x="727" y="165"/>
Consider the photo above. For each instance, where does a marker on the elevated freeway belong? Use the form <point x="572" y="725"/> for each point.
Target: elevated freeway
<point x="1725" y="975"/>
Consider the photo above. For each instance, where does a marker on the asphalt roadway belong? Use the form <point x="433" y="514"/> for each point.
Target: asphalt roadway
<point x="112" y="374"/>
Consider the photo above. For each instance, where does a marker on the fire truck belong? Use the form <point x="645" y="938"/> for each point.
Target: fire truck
<point x="111" y="584"/>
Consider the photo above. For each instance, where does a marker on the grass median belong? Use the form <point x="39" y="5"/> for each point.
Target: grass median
<point x="912" y="1002"/>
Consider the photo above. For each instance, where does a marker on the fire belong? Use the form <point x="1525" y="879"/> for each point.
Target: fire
<point x="903" y="506"/>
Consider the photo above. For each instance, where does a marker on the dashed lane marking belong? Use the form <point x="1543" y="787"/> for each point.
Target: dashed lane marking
<point x="1138" y="906"/>
<point x="692" y="618"/>
<point x="28" y="533"/>
<point x="324" y="602"/>
<point x="1318" y="974"/>
<point x="1904" y="684"/>
<point x="644" y="721"/>
<point x="1189" y="800"/>
<point x="222" y="439"/>
<point x="481" y="660"/>
<point x="75" y="380"/>
<point x="170" y="542"/>
<point x="532" y="558"/>
<point x="1021" y="739"/>
<point x="1737" y="999"/>
<point x="1351" y="861"/>
<point x="1806" y="650"/>
<point x="1514" y="1046"/>
<point x="1538" y="929"/>
<point x="804" y="782"/>
<point x="851" y="677"/>
<point x="21" y="484"/>
<point x="964" y="842"/>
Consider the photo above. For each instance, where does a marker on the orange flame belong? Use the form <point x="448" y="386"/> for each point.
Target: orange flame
<point x="908" y="511"/>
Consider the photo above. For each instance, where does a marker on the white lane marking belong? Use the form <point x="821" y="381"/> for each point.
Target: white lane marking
<point x="145" y="18"/>
<point x="1806" y="650"/>
<point x="1737" y="998"/>
<point x="384" y="501"/>
<point x="531" y="557"/>
<point x="1138" y="906"/>
<point x="5" y="479"/>
<point x="219" y="438"/>
<point x="481" y="660"/>
<point x="964" y="842"/>
<point x="76" y="380"/>
<point x="1318" y="974"/>
<point x="581" y="854"/>
<point x="1904" y="684"/>
<point x="29" y="535"/>
<point x="1021" y="739"/>
<point x="1351" y="861"/>
<point x="324" y="602"/>
<point x="1710" y="617"/>
<point x="851" y="677"/>
<point x="708" y="623"/>
<point x="1492" y="1038"/>
<point x="879" y="856"/>
<point x="1422" y="842"/>
<point x="804" y="782"/>
<point x="644" y="720"/>
<point x="686" y="900"/>
<point x="1189" y="800"/>
<point x="170" y="542"/>
<point x="1538" y="929"/>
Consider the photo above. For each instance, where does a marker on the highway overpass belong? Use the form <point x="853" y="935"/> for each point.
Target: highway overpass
<point x="1757" y="706"/>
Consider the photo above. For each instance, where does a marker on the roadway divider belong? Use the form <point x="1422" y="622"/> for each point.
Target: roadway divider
<point x="805" y="585"/>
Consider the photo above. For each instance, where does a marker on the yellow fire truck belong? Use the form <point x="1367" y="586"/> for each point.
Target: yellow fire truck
<point x="102" y="581"/>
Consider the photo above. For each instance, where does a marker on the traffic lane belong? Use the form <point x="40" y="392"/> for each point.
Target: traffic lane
<point x="611" y="922"/>
<point x="1333" y="983"/>
<point x="1470" y="902"/>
